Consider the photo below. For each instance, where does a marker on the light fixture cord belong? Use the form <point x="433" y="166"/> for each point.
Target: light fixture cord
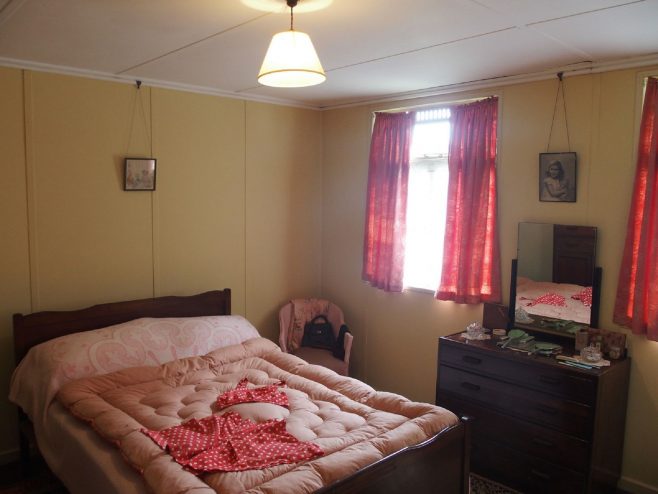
<point x="292" y="4"/>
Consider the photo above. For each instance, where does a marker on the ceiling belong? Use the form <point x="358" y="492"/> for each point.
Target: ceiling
<point x="371" y="50"/>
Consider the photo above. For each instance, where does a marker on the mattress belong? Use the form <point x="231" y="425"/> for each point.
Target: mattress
<point x="82" y="459"/>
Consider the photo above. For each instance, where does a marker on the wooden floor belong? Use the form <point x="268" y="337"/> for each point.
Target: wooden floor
<point x="39" y="481"/>
<point x="42" y="481"/>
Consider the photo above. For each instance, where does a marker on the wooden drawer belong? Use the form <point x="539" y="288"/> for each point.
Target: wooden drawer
<point x="523" y="471"/>
<point x="563" y="415"/>
<point x="544" y="443"/>
<point x="577" y="387"/>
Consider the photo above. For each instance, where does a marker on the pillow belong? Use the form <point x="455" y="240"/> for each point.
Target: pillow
<point x="145" y="341"/>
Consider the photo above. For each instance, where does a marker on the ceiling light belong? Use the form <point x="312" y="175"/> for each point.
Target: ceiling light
<point x="291" y="60"/>
<point x="276" y="5"/>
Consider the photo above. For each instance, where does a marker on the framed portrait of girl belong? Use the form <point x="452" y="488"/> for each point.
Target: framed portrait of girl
<point x="557" y="177"/>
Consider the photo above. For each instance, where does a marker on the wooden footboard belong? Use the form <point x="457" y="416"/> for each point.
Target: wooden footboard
<point x="439" y="464"/>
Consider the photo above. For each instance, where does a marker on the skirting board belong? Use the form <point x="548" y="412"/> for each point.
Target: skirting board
<point x="636" y="487"/>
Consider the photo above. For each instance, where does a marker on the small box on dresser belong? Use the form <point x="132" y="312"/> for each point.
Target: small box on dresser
<point x="538" y="426"/>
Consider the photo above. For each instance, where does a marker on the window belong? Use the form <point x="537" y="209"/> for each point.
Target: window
<point x="470" y="261"/>
<point x="426" y="202"/>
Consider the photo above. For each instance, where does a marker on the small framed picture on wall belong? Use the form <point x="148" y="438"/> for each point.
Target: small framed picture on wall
<point x="139" y="174"/>
<point x="557" y="177"/>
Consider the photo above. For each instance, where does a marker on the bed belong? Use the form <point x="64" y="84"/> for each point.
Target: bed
<point x="371" y="441"/>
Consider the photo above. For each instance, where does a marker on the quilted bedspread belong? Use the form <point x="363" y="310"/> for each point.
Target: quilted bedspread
<point x="353" y="424"/>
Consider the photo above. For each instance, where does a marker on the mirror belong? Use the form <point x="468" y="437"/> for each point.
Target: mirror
<point x="555" y="283"/>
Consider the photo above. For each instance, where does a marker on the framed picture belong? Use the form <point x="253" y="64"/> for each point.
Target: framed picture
<point x="139" y="174"/>
<point x="557" y="177"/>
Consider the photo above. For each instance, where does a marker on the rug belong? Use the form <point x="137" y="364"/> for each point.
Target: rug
<point x="481" y="485"/>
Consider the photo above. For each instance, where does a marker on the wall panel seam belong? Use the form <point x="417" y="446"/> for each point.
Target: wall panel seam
<point x="30" y="190"/>
<point x="244" y="208"/>
<point x="154" y="250"/>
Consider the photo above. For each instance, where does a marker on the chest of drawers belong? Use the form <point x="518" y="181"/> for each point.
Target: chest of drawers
<point x="538" y="426"/>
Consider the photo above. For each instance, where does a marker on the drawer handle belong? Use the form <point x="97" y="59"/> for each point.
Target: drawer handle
<point x="549" y="380"/>
<point x="540" y="474"/>
<point x="471" y="386"/>
<point x="546" y="409"/>
<point x="542" y="442"/>
<point x="471" y="360"/>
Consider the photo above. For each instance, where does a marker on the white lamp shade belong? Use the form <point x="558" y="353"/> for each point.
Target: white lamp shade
<point x="291" y="61"/>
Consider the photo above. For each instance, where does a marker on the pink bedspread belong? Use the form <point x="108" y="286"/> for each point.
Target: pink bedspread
<point x="353" y="424"/>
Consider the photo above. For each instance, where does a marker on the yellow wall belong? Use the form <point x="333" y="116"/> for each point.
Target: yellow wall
<point x="235" y="206"/>
<point x="14" y="258"/>
<point x="283" y="211"/>
<point x="396" y="334"/>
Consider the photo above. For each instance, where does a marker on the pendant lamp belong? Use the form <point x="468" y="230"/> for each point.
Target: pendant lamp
<point x="291" y="60"/>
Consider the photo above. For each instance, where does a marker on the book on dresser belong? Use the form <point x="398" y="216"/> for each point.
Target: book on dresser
<point x="538" y="425"/>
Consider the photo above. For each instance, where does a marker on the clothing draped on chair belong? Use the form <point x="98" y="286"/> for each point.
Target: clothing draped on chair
<point x="386" y="207"/>
<point x="303" y="311"/>
<point x="636" y="305"/>
<point x="471" y="260"/>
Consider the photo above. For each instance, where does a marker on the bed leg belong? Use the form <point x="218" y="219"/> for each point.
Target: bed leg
<point x="24" y="443"/>
<point x="25" y="455"/>
<point x="466" y="459"/>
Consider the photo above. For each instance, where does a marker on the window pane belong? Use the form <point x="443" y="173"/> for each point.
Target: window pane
<point x="426" y="213"/>
<point x="430" y="139"/>
<point x="427" y="198"/>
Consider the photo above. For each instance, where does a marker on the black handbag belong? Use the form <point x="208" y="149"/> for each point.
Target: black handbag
<point x="318" y="333"/>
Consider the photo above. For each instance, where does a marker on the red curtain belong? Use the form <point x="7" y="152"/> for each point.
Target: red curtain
<point x="471" y="261"/>
<point x="386" y="207"/>
<point x="636" y="305"/>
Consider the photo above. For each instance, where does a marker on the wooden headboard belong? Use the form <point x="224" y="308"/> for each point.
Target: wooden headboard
<point x="35" y="328"/>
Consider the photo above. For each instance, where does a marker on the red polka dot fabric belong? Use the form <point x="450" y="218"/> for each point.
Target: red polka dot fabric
<point x="548" y="299"/>
<point x="585" y="296"/>
<point x="263" y="394"/>
<point x="230" y="443"/>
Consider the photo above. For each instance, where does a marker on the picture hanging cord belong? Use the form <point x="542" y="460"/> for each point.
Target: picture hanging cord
<point x="137" y="94"/>
<point x="560" y="86"/>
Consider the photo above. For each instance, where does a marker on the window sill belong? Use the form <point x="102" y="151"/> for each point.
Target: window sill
<point x="418" y="290"/>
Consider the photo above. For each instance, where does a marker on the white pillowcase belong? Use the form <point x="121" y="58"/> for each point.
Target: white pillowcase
<point x="146" y="341"/>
